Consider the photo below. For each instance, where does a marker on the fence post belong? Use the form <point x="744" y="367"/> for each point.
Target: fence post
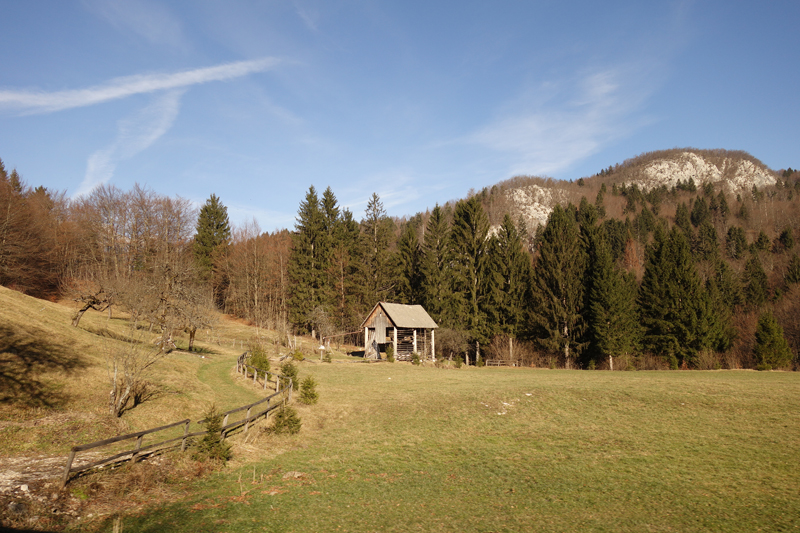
<point x="266" y="378"/>
<point x="68" y="468"/>
<point x="291" y="388"/>
<point x="255" y="375"/>
<point x="138" y="447"/>
<point x="247" y="423"/>
<point x="185" y="433"/>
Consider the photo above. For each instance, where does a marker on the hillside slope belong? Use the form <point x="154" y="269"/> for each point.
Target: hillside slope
<point x="532" y="199"/>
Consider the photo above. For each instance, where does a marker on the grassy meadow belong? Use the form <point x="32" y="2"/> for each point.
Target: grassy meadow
<point x="393" y="447"/>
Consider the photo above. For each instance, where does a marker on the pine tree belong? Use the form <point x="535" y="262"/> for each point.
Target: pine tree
<point x="213" y="234"/>
<point x="378" y="272"/>
<point x="754" y="280"/>
<point x="736" y="242"/>
<point x="558" y="312"/>
<point x="674" y="307"/>
<point x="682" y="220"/>
<point x="771" y="350"/>
<point x="470" y="264"/>
<point x="614" y="322"/>
<point x="509" y="278"/>
<point x="305" y="262"/>
<point x="793" y="270"/>
<point x="435" y="283"/>
<point x="409" y="257"/>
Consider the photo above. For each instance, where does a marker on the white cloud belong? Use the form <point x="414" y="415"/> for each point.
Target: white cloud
<point x="44" y="102"/>
<point x="134" y="134"/>
<point x="595" y="110"/>
<point x="151" y="21"/>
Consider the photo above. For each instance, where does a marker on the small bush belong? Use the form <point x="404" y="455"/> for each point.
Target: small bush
<point x="390" y="353"/>
<point x="297" y="355"/>
<point x="289" y="371"/>
<point x="258" y="355"/>
<point x="479" y="362"/>
<point x="308" y="391"/>
<point x="212" y="447"/>
<point x="459" y="361"/>
<point x="286" y="421"/>
<point x="327" y="358"/>
<point x="415" y="359"/>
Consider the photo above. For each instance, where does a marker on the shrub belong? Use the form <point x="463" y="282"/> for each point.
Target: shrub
<point x="459" y="361"/>
<point x="390" y="353"/>
<point x="286" y="421"/>
<point x="297" y="355"/>
<point x="308" y="391"/>
<point x="415" y="359"/>
<point x="327" y="357"/>
<point x="258" y="355"/>
<point x="771" y="350"/>
<point x="289" y="371"/>
<point x="212" y="447"/>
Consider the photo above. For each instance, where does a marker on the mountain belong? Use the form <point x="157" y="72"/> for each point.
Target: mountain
<point x="532" y="199"/>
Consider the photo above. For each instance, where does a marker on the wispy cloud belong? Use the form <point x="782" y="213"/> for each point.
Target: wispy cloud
<point x="574" y="122"/>
<point x="151" y="21"/>
<point x="48" y="102"/>
<point x="134" y="134"/>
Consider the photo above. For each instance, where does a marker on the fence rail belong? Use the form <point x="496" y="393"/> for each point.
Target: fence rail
<point x="285" y="394"/>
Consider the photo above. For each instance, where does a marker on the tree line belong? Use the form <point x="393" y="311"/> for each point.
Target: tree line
<point x="688" y="290"/>
<point x="670" y="277"/>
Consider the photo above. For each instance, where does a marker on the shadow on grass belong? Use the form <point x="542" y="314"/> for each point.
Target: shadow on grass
<point x="24" y="356"/>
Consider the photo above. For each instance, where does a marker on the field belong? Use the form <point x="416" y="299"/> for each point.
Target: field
<point x="394" y="447"/>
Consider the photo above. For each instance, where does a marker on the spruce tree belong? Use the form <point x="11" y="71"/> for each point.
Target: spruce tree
<point x="793" y="270"/>
<point x="509" y="278"/>
<point x="470" y="264"/>
<point x="409" y="257"/>
<point x="378" y="272"/>
<point x="614" y="322"/>
<point x="754" y="280"/>
<point x="213" y="233"/>
<point x="736" y="242"/>
<point x="558" y="313"/>
<point x="305" y="267"/>
<point x="771" y="349"/>
<point x="436" y="280"/>
<point x="674" y="307"/>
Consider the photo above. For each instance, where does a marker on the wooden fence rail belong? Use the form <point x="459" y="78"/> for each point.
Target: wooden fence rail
<point x="227" y="427"/>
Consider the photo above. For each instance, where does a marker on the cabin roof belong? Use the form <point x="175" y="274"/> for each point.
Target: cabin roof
<point x="402" y="316"/>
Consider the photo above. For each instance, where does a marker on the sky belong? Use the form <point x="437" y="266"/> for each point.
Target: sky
<point x="418" y="101"/>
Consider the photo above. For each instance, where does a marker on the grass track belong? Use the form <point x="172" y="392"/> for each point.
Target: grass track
<point x="401" y="448"/>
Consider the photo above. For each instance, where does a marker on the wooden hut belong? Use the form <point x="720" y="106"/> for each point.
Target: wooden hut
<point x="408" y="328"/>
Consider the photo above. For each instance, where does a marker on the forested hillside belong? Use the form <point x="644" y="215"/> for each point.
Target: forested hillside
<point x="630" y="268"/>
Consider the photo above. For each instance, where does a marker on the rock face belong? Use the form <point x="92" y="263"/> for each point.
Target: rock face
<point x="736" y="172"/>
<point x="736" y="175"/>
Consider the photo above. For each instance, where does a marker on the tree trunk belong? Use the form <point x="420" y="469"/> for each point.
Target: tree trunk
<point x="192" y="333"/>
<point x="79" y="315"/>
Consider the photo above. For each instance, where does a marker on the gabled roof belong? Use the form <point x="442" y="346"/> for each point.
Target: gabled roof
<point x="402" y="316"/>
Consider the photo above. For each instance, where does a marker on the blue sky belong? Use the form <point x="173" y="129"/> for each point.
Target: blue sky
<point x="417" y="101"/>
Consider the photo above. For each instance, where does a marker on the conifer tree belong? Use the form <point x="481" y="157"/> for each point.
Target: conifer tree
<point x="558" y="312"/>
<point x="614" y="321"/>
<point x="682" y="220"/>
<point x="674" y="307"/>
<point x="793" y="270"/>
<point x="771" y="349"/>
<point x="213" y="234"/>
<point x="343" y="270"/>
<point x="509" y="273"/>
<point x="435" y="283"/>
<point x="736" y="242"/>
<point x="754" y="280"/>
<point x="378" y="272"/>
<point x="470" y="264"/>
<point x="306" y="261"/>
<point x="409" y="257"/>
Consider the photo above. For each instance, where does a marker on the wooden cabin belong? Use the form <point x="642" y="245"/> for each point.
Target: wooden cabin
<point x="408" y="328"/>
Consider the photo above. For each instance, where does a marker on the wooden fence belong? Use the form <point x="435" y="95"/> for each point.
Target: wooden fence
<point x="282" y="395"/>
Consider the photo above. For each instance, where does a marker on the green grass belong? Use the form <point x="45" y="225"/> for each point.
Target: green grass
<point x="399" y="448"/>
